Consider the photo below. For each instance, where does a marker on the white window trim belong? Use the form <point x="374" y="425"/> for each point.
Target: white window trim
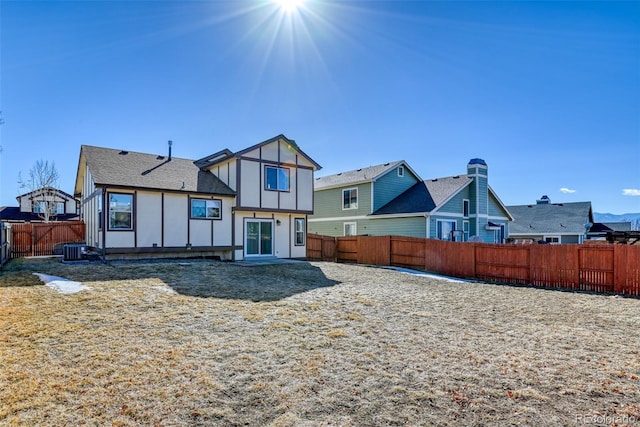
<point x="468" y="202"/>
<point x="455" y="224"/>
<point x="401" y="171"/>
<point x="132" y="212"/>
<point x="355" y="228"/>
<point x="553" y="236"/>
<point x="357" y="199"/>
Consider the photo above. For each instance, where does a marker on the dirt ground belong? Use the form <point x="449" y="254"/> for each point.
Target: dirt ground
<point x="200" y="343"/>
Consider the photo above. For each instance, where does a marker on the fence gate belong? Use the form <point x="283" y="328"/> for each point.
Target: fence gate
<point x="596" y="266"/>
<point x="39" y="239"/>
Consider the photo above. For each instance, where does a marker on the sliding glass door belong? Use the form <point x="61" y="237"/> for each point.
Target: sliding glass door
<point x="258" y="237"/>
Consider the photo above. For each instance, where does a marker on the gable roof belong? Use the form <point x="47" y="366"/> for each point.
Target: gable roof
<point x="226" y="154"/>
<point x="416" y="199"/>
<point x="39" y="191"/>
<point x="130" y="169"/>
<point x="603" y="227"/>
<point x="551" y="218"/>
<point x="442" y="189"/>
<point x="429" y="195"/>
<point x="357" y="176"/>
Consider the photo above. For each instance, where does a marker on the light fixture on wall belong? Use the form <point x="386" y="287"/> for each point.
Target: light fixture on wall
<point x="278" y="222"/>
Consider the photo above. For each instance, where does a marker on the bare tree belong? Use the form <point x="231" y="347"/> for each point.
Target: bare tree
<point x="43" y="187"/>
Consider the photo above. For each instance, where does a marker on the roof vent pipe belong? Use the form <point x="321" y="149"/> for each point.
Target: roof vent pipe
<point x="170" y="144"/>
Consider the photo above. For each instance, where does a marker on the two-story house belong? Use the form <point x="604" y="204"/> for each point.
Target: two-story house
<point x="392" y="199"/>
<point x="41" y="205"/>
<point x="233" y="205"/>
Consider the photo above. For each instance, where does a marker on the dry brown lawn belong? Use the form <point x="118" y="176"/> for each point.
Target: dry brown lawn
<point x="308" y="344"/>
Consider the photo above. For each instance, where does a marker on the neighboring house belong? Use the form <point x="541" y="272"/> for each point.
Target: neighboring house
<point x="551" y="222"/>
<point x="599" y="230"/>
<point x="391" y="199"/>
<point x="45" y="204"/>
<point x="248" y="204"/>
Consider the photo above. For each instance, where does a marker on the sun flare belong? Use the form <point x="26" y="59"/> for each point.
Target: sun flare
<point x="289" y="6"/>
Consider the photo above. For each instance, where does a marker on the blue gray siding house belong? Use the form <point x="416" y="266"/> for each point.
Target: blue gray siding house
<point x="554" y="223"/>
<point x="391" y="199"/>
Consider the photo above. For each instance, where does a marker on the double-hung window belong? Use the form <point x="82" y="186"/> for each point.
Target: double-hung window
<point x="276" y="179"/>
<point x="120" y="211"/>
<point x="39" y="206"/>
<point x="350" y="198"/>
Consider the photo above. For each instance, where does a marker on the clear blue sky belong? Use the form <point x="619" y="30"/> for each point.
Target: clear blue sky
<point x="548" y="93"/>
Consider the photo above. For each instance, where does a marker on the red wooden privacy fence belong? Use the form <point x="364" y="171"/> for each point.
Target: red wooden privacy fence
<point x="38" y="239"/>
<point x="596" y="268"/>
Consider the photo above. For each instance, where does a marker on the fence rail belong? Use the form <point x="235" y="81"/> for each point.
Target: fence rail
<point x="595" y="268"/>
<point x="39" y="239"/>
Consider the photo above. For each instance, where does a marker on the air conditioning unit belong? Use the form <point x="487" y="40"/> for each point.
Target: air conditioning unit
<point x="75" y="252"/>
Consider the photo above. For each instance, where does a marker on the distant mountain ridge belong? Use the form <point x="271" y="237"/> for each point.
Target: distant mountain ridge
<point x="633" y="218"/>
<point x="607" y="217"/>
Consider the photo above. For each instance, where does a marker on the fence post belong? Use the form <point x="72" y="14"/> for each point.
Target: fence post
<point x="619" y="268"/>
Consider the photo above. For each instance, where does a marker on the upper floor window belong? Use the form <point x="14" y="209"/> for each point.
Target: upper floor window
<point x="276" y="179"/>
<point x="120" y="211"/>
<point x="39" y="207"/>
<point x="350" y="198"/>
<point x="400" y="171"/>
<point x="206" y="209"/>
<point x="42" y="206"/>
<point x="465" y="208"/>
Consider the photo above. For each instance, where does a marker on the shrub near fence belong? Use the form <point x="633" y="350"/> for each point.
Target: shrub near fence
<point x="595" y="268"/>
<point x="39" y="239"/>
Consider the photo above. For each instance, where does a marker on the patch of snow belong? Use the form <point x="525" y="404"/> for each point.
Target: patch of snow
<point x="60" y="284"/>
<point x="164" y="289"/>
<point x="423" y="274"/>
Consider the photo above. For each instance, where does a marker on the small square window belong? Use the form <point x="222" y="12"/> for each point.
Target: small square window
<point x="276" y="179"/>
<point x="350" y="228"/>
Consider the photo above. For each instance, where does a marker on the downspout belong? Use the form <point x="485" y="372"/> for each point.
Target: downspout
<point x="104" y="221"/>
<point x="233" y="234"/>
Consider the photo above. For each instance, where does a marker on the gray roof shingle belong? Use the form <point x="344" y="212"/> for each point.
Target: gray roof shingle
<point x="149" y="171"/>
<point x="442" y="189"/>
<point x="355" y="176"/>
<point x="551" y="218"/>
